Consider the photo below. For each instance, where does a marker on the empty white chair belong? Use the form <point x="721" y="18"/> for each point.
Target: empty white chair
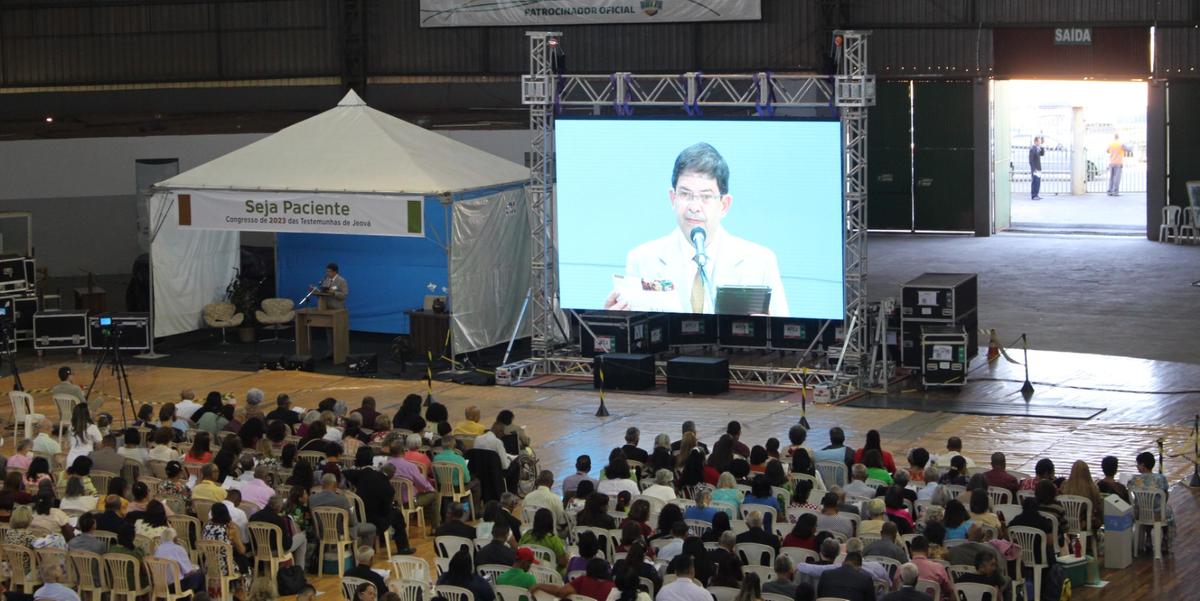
<point x="23" y="415"/>
<point x="1169" y="228"/>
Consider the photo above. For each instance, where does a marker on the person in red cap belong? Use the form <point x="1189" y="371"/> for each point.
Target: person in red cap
<point x="519" y="574"/>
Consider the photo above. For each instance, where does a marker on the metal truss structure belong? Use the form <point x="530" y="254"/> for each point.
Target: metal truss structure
<point x="852" y="90"/>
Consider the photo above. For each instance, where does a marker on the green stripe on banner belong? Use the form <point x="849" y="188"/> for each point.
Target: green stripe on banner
<point x="414" y="217"/>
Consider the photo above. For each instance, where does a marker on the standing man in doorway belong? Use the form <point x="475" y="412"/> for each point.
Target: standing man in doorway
<point x="1035" y="168"/>
<point x="1116" y="159"/>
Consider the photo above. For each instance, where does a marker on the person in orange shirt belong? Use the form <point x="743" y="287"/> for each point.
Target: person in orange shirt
<point x="1116" y="158"/>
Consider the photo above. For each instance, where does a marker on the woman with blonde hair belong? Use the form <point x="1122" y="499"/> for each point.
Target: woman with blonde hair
<point x="727" y="492"/>
<point x="1080" y="483"/>
<point x="751" y="588"/>
<point x="686" y="445"/>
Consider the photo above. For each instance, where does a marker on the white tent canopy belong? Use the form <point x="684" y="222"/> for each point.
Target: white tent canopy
<point x="353" y="148"/>
<point x="349" y="152"/>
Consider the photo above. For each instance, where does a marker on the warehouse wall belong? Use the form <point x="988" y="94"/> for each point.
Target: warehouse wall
<point x="82" y="191"/>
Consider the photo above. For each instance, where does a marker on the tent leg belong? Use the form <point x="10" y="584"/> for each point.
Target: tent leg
<point x="517" y="328"/>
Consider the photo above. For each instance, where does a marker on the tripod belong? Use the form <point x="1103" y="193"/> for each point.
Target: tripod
<point x="112" y="355"/>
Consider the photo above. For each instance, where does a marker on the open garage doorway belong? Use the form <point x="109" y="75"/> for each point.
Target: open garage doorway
<point x="1070" y="156"/>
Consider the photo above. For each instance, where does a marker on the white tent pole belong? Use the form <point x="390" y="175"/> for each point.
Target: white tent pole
<point x="150" y="354"/>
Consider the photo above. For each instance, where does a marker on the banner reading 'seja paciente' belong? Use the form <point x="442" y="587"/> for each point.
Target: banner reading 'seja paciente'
<point x="360" y="214"/>
<point x="476" y="13"/>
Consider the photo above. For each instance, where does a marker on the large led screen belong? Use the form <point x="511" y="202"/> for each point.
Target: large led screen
<point x="701" y="216"/>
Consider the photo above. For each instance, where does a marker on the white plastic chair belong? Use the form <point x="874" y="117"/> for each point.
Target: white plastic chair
<point x="1031" y="541"/>
<point x="22" y="405"/>
<point x="411" y="568"/>
<point x="546" y="575"/>
<point x="723" y="593"/>
<point x="833" y="473"/>
<point x="65" y="403"/>
<point x="765" y="573"/>
<point x="1008" y="510"/>
<point x="930" y="588"/>
<point x="799" y="556"/>
<point x="1190" y="229"/>
<point x="1079" y="516"/>
<point x="350" y="584"/>
<point x="1169" y="228"/>
<point x="1149" y="510"/>
<point x="888" y="563"/>
<point x="999" y="495"/>
<point x="973" y="591"/>
<point x="412" y="590"/>
<point x="491" y="571"/>
<point x="454" y="593"/>
<point x="542" y="553"/>
<point x="756" y="554"/>
<point x="508" y="592"/>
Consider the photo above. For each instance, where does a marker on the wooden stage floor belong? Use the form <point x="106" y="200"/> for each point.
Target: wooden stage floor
<point x="1143" y="400"/>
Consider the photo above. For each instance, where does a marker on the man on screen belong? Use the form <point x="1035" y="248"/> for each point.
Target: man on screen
<point x="682" y="271"/>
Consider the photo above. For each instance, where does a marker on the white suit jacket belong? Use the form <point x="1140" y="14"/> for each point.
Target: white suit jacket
<point x="732" y="261"/>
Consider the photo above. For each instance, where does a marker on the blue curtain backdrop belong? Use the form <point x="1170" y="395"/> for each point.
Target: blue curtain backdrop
<point x="387" y="274"/>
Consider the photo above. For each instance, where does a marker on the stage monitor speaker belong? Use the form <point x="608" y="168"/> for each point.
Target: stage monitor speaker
<point x="624" y="371"/>
<point x="271" y="364"/>
<point x="698" y="375"/>
<point x="357" y="365"/>
<point x="298" y="362"/>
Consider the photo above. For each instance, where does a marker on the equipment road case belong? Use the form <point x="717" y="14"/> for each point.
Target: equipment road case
<point x="60" y="330"/>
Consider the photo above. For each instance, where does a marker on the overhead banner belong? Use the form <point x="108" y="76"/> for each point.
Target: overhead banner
<point x="483" y="13"/>
<point x="358" y="214"/>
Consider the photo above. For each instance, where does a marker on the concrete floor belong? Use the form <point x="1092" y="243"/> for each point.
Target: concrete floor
<point x="1107" y="295"/>
<point x="1094" y="211"/>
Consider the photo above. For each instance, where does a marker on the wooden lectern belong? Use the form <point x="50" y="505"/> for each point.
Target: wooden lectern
<point x="337" y="320"/>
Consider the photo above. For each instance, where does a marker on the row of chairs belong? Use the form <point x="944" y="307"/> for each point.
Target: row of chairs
<point x="120" y="575"/>
<point x="1179" y="224"/>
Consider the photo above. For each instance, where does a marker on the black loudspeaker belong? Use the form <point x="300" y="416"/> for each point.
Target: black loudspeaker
<point x="698" y="375"/>
<point x="357" y="365"/>
<point x="624" y="371"/>
<point x="298" y="362"/>
<point x="272" y="364"/>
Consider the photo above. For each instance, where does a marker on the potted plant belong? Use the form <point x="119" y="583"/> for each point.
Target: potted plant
<point x="244" y="294"/>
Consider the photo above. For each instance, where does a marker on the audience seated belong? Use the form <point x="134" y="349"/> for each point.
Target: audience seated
<point x="999" y="477"/>
<point x="260" y="455"/>
<point x="755" y="532"/>
<point x="502" y="549"/>
<point x="953" y="449"/>
<point x="583" y="465"/>
<point x="1109" y="485"/>
<point x="873" y="442"/>
<point x="888" y="544"/>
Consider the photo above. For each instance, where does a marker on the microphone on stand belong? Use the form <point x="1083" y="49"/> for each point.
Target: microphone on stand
<point x="699" y="237"/>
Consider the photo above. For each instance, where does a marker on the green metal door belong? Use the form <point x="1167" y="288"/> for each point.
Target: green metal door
<point x="943" y="160"/>
<point x="889" y="158"/>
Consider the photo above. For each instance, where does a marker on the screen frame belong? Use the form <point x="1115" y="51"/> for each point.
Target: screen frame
<point x="718" y="118"/>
